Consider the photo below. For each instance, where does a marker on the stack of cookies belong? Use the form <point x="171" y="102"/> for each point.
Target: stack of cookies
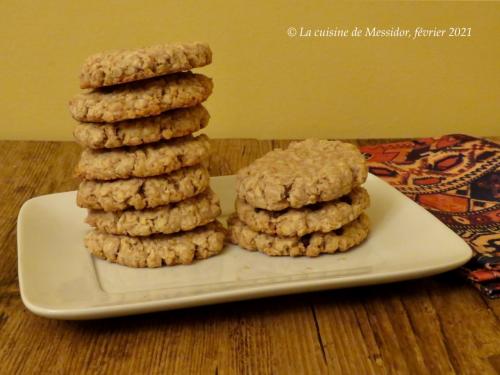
<point x="144" y="175"/>
<point x="305" y="200"/>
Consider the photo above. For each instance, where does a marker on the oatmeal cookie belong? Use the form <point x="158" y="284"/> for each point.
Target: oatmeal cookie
<point x="171" y="124"/>
<point x="143" y="161"/>
<point x="126" y="65"/>
<point x="307" y="172"/>
<point x="158" y="250"/>
<point x="175" y="217"/>
<point x="140" y="193"/>
<point x="311" y="245"/>
<point x="320" y="217"/>
<point x="142" y="98"/>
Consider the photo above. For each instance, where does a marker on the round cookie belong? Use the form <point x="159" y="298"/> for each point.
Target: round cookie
<point x="126" y="65"/>
<point x="156" y="251"/>
<point x="321" y="217"/>
<point x="140" y="193"/>
<point x="311" y="245"/>
<point x="142" y="98"/>
<point x="175" y="217"/>
<point x="305" y="173"/>
<point x="149" y="160"/>
<point x="171" y="124"/>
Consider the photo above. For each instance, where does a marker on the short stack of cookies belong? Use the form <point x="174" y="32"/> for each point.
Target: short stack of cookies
<point x="305" y="200"/>
<point x="144" y="175"/>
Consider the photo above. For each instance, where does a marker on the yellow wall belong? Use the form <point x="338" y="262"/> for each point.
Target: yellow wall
<point x="268" y="85"/>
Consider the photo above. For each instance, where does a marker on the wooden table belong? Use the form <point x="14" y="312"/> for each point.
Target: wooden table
<point x="435" y="325"/>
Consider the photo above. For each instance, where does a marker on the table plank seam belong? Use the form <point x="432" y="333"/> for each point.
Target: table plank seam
<point x="318" y="333"/>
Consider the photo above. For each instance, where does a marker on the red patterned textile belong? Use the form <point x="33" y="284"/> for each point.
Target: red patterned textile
<point x="456" y="178"/>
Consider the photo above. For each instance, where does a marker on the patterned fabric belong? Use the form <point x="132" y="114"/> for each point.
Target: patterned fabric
<point x="456" y="178"/>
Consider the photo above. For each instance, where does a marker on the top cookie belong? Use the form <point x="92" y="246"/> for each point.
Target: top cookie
<point x="141" y="99"/>
<point x="307" y="172"/>
<point x="127" y="65"/>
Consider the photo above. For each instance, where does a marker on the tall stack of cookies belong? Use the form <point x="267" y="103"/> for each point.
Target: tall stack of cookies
<point x="144" y="175"/>
<point x="305" y="200"/>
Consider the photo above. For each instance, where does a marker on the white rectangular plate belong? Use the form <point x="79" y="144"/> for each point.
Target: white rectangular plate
<point x="59" y="279"/>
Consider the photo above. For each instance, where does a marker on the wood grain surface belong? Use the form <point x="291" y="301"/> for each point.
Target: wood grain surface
<point x="437" y="325"/>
